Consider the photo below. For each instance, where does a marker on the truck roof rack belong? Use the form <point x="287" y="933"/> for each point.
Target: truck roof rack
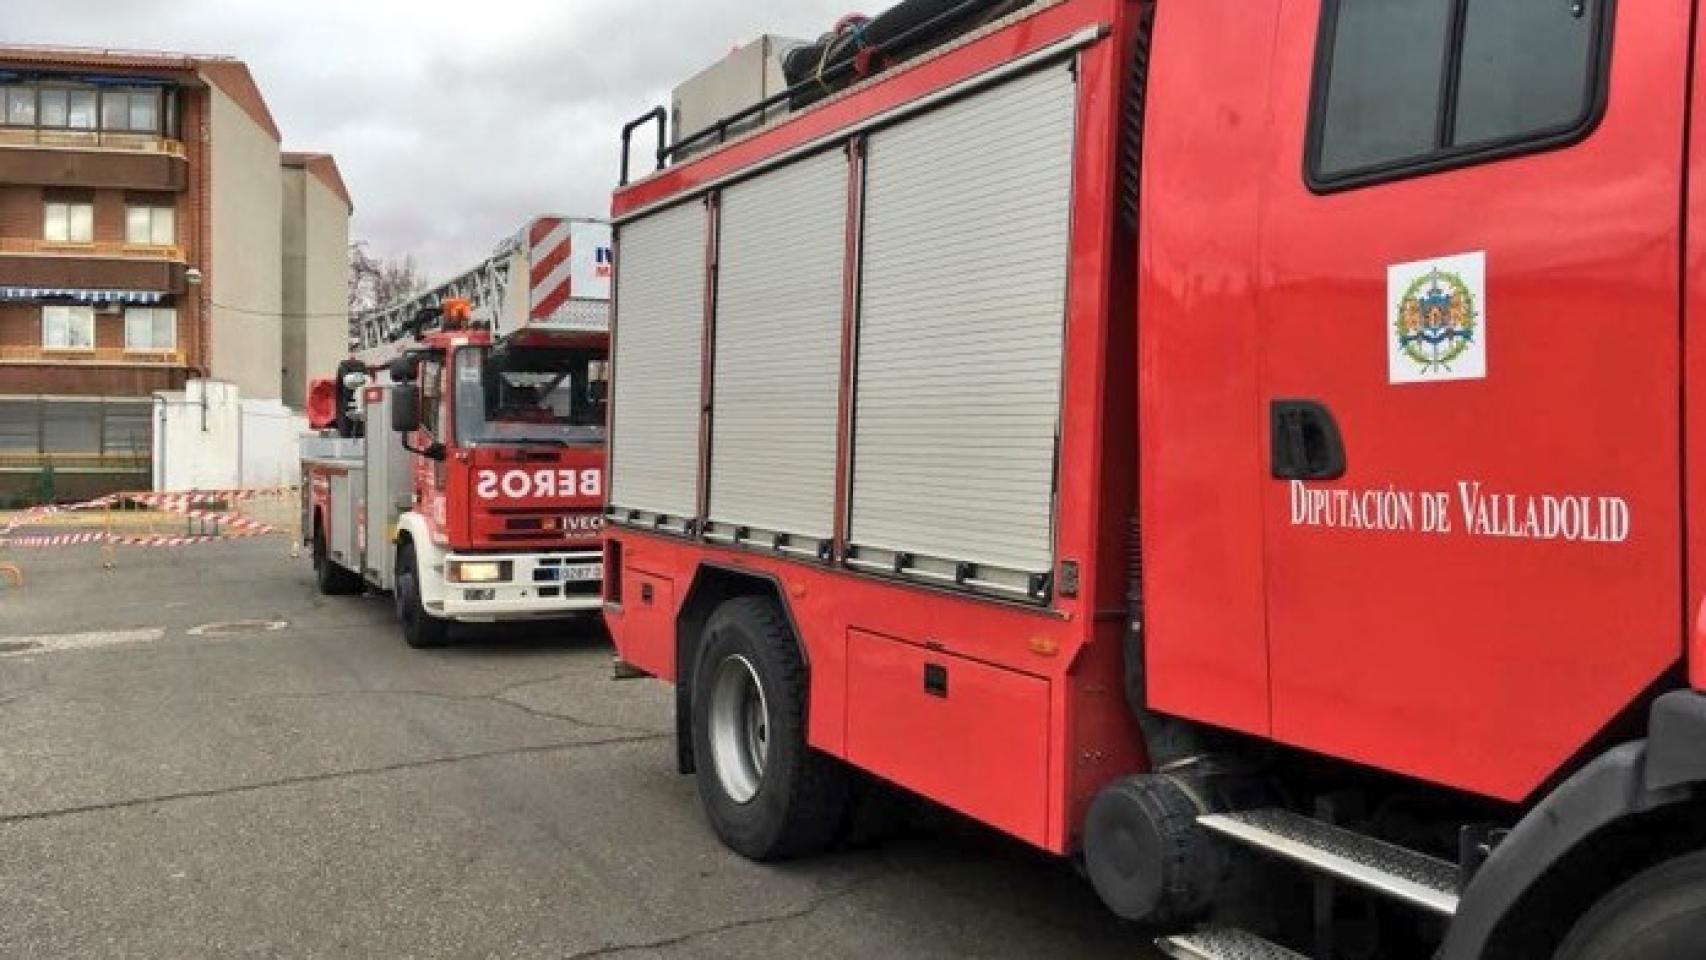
<point x="829" y="78"/>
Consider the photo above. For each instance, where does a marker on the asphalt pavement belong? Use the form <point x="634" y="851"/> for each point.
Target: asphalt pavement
<point x="199" y="757"/>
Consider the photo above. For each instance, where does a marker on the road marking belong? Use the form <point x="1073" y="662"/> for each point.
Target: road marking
<point x="59" y="642"/>
<point x="230" y="627"/>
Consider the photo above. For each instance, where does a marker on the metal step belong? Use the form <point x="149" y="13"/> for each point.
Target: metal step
<point x="1414" y="878"/>
<point x="1224" y="943"/>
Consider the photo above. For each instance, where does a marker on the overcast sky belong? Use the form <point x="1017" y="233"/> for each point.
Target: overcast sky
<point x="453" y="122"/>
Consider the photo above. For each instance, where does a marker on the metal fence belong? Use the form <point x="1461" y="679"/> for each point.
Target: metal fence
<point x="76" y="435"/>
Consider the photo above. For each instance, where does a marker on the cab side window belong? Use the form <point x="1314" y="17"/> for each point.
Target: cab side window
<point x="432" y="396"/>
<point x="1411" y="86"/>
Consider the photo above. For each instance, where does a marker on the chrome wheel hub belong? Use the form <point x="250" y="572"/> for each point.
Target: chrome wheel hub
<point x="740" y="728"/>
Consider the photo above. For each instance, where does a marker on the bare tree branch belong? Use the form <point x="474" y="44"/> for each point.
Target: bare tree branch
<point x="376" y="281"/>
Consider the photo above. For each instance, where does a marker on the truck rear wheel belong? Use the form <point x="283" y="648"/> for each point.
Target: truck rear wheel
<point x="331" y="579"/>
<point x="1659" y="915"/>
<point x="421" y="629"/>
<point x="767" y="793"/>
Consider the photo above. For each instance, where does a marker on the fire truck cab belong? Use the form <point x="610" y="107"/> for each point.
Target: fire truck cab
<point x="1196" y="436"/>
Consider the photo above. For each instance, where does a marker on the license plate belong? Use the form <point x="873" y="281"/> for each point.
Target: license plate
<point x="583" y="571"/>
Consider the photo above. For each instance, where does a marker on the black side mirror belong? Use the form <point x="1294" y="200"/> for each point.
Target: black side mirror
<point x="405" y="368"/>
<point x="405" y="408"/>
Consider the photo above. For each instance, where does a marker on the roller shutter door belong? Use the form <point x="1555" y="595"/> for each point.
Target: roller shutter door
<point x="654" y="466"/>
<point x="962" y="311"/>
<point x="782" y="261"/>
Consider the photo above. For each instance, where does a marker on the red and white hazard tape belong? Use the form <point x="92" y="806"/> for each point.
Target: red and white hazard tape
<point x="179" y="502"/>
<point x="178" y="541"/>
<point x="34" y="515"/>
<point x="183" y="504"/>
<point x="57" y="540"/>
<point x="121" y="540"/>
<point x="235" y="522"/>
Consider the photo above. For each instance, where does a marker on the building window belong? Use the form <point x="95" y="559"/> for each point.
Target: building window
<point x="68" y="327"/>
<point x="1479" y="79"/>
<point x="69" y="223"/>
<point x="53" y="108"/>
<point x="150" y="328"/>
<point x="150" y="226"/>
<point x="67" y="108"/>
<point x="140" y="110"/>
<point x="80" y="115"/>
<point x="20" y="105"/>
<point x="132" y="110"/>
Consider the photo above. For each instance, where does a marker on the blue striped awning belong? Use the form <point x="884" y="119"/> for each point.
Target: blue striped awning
<point x="81" y="295"/>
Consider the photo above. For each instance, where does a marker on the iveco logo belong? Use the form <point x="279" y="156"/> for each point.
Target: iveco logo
<point x="529" y="484"/>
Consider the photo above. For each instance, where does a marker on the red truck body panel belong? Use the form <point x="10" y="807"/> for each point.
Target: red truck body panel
<point x="1024" y="677"/>
<point x="1694" y="368"/>
<point x="1466" y="658"/>
<point x="533" y="498"/>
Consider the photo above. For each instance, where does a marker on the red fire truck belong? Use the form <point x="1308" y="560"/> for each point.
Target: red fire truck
<point x="1209" y="438"/>
<point x="460" y="466"/>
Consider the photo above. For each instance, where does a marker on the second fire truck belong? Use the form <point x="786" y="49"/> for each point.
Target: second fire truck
<point x="460" y="462"/>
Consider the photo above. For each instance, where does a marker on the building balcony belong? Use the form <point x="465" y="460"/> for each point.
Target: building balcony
<point x="93" y="159"/>
<point x="92" y="267"/>
<point x="30" y="247"/>
<point x="91" y="356"/>
<point x="90" y="140"/>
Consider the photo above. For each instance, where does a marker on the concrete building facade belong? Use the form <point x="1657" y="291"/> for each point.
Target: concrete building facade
<point x="316" y="271"/>
<point x="146" y="211"/>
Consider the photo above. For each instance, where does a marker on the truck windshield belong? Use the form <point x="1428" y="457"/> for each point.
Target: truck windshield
<point x="530" y="395"/>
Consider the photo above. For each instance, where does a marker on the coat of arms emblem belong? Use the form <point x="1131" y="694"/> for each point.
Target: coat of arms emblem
<point x="1437" y="329"/>
<point x="1436" y="320"/>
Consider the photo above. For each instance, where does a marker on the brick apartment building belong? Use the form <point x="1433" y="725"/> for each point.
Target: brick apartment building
<point x="151" y="230"/>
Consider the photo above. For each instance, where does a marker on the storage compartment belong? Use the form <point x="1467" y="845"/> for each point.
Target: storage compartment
<point x="961" y="325"/>
<point x="745" y="78"/>
<point x="654" y="434"/>
<point x="776" y="385"/>
<point x="963" y="733"/>
<point x="646" y="629"/>
<point x="389" y="491"/>
<point x="345" y="518"/>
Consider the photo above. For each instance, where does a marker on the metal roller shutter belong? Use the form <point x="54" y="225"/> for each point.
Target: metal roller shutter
<point x="654" y="456"/>
<point x="962" y="311"/>
<point x="777" y="361"/>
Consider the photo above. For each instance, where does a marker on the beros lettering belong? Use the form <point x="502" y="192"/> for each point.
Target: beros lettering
<point x="524" y="484"/>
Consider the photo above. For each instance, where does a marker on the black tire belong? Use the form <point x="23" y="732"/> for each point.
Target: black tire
<point x="799" y="797"/>
<point x="331" y="579"/>
<point x="1659" y="915"/>
<point x="421" y="630"/>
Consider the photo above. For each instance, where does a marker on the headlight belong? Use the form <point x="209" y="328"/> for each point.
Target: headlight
<point x="478" y="571"/>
